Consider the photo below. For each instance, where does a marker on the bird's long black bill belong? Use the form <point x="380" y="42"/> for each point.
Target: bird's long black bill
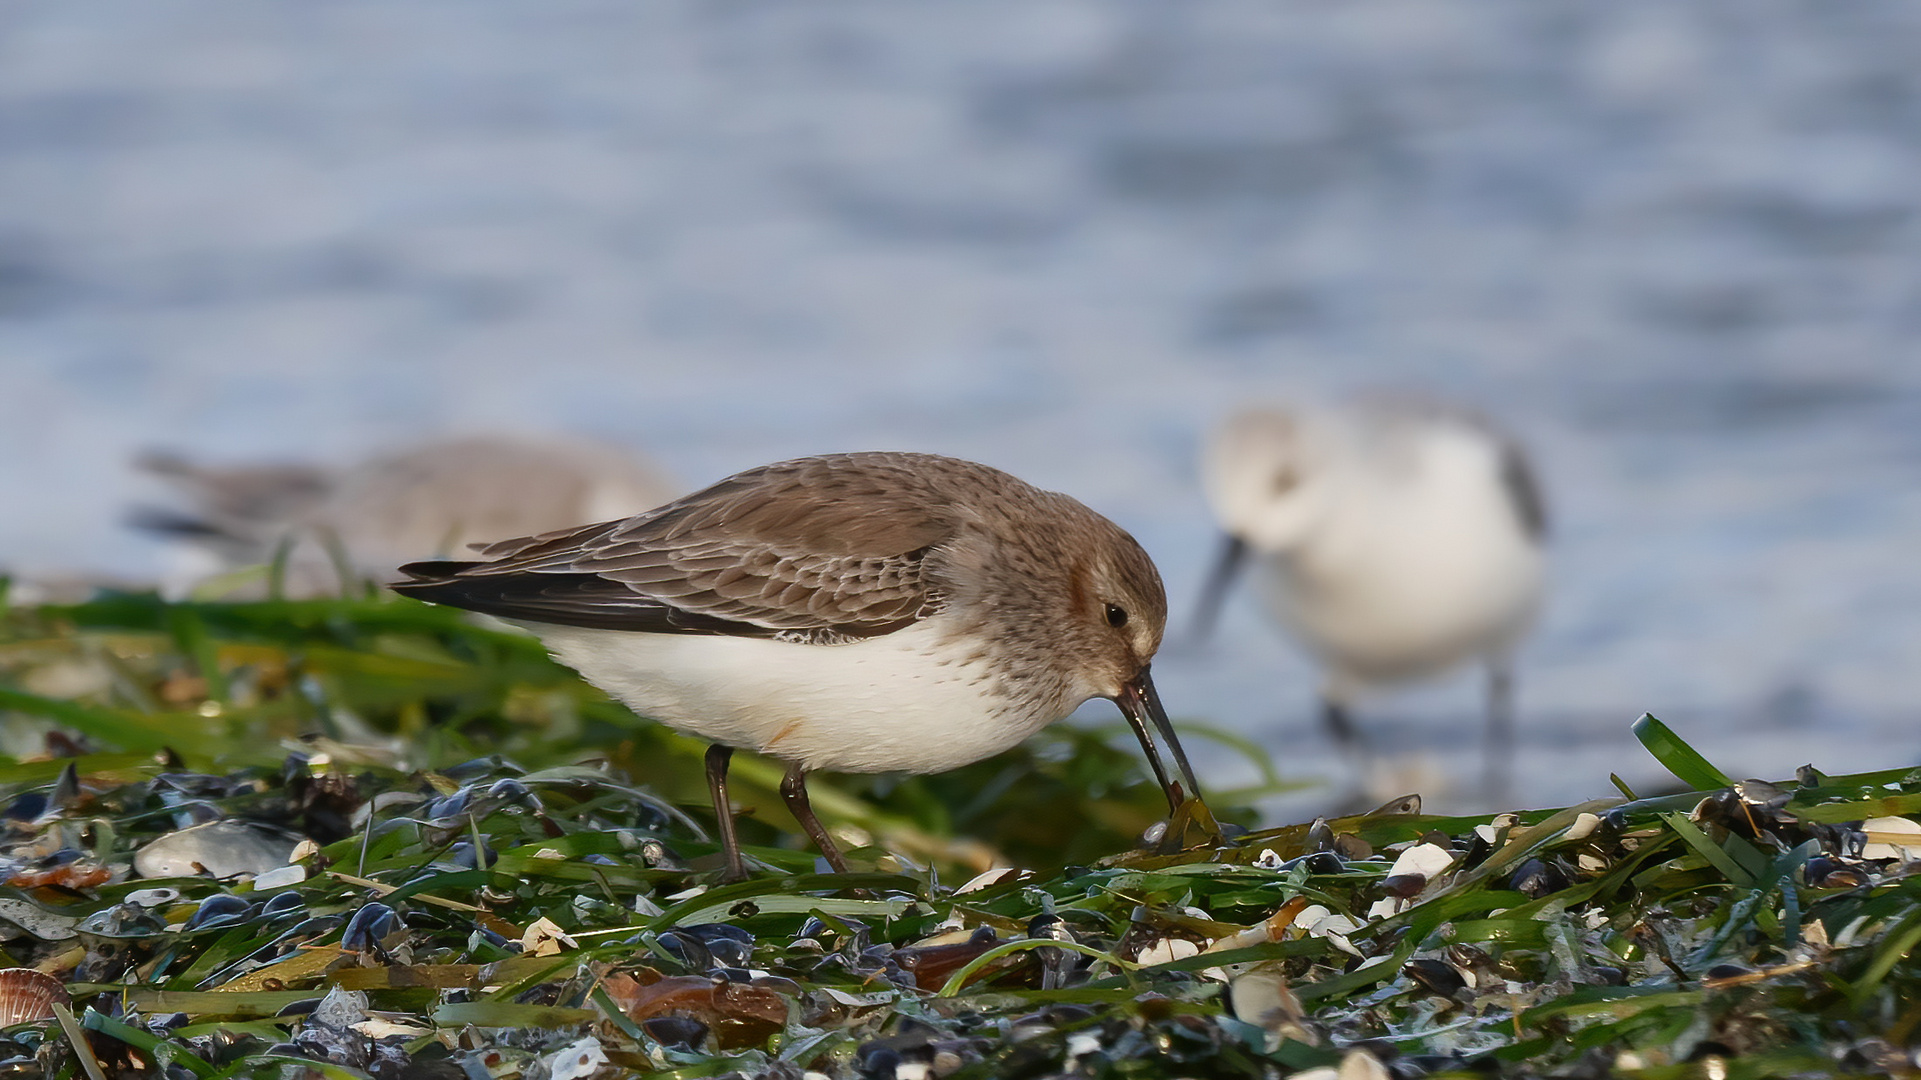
<point x="1208" y="610"/>
<point x="1142" y="706"/>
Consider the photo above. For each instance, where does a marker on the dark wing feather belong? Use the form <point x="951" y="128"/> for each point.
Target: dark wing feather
<point x="820" y="550"/>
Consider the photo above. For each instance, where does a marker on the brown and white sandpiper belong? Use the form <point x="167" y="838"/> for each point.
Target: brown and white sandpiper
<point x="867" y="612"/>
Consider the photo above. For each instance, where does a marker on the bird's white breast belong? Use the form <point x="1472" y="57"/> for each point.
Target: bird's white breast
<point x="910" y="701"/>
<point x="1413" y="570"/>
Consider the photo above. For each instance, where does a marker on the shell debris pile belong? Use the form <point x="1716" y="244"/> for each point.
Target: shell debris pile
<point x="428" y="906"/>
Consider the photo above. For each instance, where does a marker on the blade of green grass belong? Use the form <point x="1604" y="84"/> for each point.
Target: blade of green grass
<point x="1677" y="756"/>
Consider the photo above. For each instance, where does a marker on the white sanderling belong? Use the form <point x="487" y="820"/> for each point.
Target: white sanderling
<point x="869" y="612"/>
<point x="1394" y="539"/>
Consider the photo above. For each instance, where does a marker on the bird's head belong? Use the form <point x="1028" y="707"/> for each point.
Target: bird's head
<point x="1265" y="475"/>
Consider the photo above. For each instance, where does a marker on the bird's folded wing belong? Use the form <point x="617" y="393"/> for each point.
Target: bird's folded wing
<point x="713" y="563"/>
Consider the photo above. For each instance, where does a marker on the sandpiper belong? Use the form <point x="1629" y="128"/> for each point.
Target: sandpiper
<point x="1396" y="539"/>
<point x="342" y="526"/>
<point x="867" y="612"/>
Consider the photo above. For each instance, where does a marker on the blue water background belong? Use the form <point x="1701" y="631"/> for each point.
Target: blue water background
<point x="1674" y="247"/>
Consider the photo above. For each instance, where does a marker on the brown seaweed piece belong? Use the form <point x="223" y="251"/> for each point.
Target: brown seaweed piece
<point x="740" y="1015"/>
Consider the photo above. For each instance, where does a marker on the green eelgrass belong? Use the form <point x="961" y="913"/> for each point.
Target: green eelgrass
<point x="1639" y="937"/>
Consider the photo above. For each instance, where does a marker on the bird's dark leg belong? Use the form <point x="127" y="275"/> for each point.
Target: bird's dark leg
<point x="1498" y="753"/>
<point x="793" y="788"/>
<point x="717" y="758"/>
<point x="1340" y="727"/>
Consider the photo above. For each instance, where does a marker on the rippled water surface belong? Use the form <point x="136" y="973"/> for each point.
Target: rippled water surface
<point x="1673" y="247"/>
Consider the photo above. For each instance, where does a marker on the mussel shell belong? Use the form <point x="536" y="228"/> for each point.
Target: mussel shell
<point x="281" y="904"/>
<point x="509" y="790"/>
<point x="680" y="1032"/>
<point x="368" y="927"/>
<point x="727" y="944"/>
<point x="877" y="1061"/>
<point x="1437" y="976"/>
<point x="222" y="849"/>
<point x="688" y="950"/>
<point x="1537" y="878"/>
<point x="221" y="909"/>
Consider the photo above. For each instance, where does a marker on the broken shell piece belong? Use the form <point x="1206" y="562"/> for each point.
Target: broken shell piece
<point x="1761" y="793"/>
<point x="36" y="920"/>
<point x="544" y="937"/>
<point x="738" y="1015"/>
<point x="1435" y="976"/>
<point x="28" y="996"/>
<point x="1536" y="878"/>
<point x="1822" y="872"/>
<point x="995" y="876"/>
<point x="1361" y="1065"/>
<point x="280" y="877"/>
<point x="1406" y="804"/>
<point x="931" y="962"/>
<point x="577" y="1059"/>
<point x="220" y="849"/>
<point x="1584" y="826"/>
<point x="1261" y="997"/>
<point x="1416" y="866"/>
<point x="1318" y="921"/>
<point x="1351" y="847"/>
<point x="1166" y="951"/>
<point x="1272" y="928"/>
<point x="379" y="1027"/>
<point x="1891" y="838"/>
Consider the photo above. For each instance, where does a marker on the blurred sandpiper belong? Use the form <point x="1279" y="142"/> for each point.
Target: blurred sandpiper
<point x="868" y="612"/>
<point x="1396" y="539"/>
<point x="341" y="527"/>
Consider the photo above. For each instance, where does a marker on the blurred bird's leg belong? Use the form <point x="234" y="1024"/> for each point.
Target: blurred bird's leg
<point x="1208" y="610"/>
<point x="1498" y="753"/>
<point x="1347" y="737"/>
<point x="717" y="758"/>
<point x="793" y="788"/>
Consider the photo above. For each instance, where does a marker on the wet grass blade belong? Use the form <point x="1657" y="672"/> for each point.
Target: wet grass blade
<point x="1677" y="756"/>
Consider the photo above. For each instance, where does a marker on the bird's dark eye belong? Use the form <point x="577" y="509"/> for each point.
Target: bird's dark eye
<point x="1116" y="615"/>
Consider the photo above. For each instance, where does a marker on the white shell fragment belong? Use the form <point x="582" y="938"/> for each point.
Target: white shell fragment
<point x="1428" y="860"/>
<point x="1412" y="873"/>
<point x="1361" y="1065"/>
<point x="996" y="875"/>
<point x="1891" y="838"/>
<point x="1583" y="827"/>
<point x="1319" y="922"/>
<point x="383" y="1028"/>
<point x="220" y="849"/>
<point x="341" y="1009"/>
<point x="577" y="1059"/>
<point x="1261" y="997"/>
<point x="280" y="878"/>
<point x="35" y="920"/>
<point x="1167" y="950"/>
